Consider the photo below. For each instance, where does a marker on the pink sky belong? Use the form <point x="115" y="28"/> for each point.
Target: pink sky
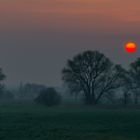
<point x="71" y="15"/>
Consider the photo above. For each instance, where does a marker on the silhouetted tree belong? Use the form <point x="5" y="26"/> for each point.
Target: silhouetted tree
<point x="2" y="77"/>
<point x="49" y="97"/>
<point x="135" y="79"/>
<point x="92" y="74"/>
<point x="126" y="86"/>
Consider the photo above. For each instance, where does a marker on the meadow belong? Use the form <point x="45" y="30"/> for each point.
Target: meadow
<point x="23" y="121"/>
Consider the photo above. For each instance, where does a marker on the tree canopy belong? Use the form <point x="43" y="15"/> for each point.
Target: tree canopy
<point x="92" y="74"/>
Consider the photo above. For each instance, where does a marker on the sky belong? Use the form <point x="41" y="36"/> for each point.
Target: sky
<point x="38" y="36"/>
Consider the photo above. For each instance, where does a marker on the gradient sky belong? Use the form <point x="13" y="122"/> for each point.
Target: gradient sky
<point x="38" y="36"/>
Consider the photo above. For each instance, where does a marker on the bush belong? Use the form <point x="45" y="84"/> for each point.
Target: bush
<point x="49" y="97"/>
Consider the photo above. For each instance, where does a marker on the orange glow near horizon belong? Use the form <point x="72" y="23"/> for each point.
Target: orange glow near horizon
<point x="131" y="47"/>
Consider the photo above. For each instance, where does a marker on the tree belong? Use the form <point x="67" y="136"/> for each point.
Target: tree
<point x="135" y="79"/>
<point x="126" y="86"/>
<point x="30" y="90"/>
<point x="92" y="74"/>
<point x="2" y="77"/>
<point x="49" y="97"/>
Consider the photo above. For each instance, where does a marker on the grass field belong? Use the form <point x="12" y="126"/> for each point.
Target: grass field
<point x="32" y="122"/>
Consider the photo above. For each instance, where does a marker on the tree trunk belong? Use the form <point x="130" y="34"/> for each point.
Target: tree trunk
<point x="90" y="99"/>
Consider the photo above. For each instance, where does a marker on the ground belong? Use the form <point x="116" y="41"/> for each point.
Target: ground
<point x="34" y="122"/>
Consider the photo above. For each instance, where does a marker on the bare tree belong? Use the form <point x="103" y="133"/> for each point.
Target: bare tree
<point x="92" y="74"/>
<point x="135" y="79"/>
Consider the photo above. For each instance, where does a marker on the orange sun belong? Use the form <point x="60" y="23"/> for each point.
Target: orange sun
<point x="131" y="47"/>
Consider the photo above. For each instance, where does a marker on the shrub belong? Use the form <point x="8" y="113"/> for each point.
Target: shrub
<point x="49" y="97"/>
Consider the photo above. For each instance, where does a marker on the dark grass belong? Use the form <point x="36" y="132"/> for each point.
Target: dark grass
<point x="33" y="122"/>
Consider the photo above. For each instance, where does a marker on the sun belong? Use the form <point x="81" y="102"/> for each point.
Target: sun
<point x="131" y="47"/>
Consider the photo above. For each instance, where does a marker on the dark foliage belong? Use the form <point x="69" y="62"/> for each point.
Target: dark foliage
<point x="92" y="74"/>
<point x="135" y="79"/>
<point x="49" y="97"/>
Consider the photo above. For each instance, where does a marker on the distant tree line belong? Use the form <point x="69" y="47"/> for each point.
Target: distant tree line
<point x="89" y="74"/>
<point x="29" y="90"/>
